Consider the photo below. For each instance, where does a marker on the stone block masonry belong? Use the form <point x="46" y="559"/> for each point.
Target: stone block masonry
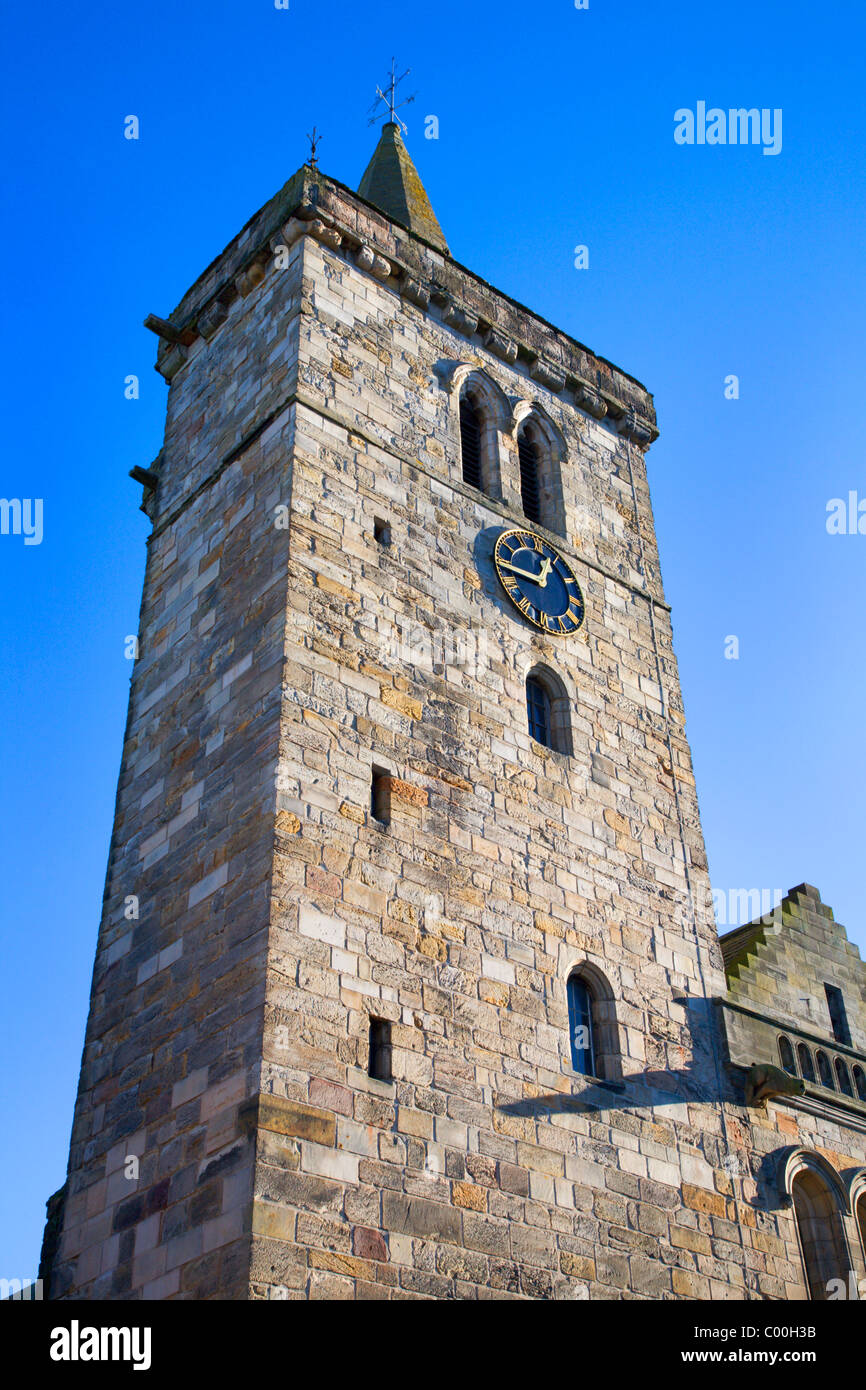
<point x="286" y="653"/>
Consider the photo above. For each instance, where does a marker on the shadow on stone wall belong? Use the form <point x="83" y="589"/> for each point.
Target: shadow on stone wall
<point x="705" y="1079"/>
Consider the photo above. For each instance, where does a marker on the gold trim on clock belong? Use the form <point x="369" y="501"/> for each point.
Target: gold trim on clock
<point x="539" y="582"/>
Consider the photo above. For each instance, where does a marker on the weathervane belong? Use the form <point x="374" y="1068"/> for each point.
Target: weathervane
<point x="314" y="140"/>
<point x="388" y="96"/>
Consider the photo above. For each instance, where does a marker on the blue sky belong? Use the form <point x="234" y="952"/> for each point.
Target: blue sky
<point x="555" y="130"/>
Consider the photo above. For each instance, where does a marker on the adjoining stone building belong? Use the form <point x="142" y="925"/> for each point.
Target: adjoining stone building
<point x="407" y="982"/>
<point x="795" y="999"/>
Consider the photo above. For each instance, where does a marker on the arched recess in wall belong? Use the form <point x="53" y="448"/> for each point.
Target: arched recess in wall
<point x="857" y="1200"/>
<point x="482" y="412"/>
<point x="541" y="456"/>
<point x="594" y="1048"/>
<point x="825" y="1071"/>
<point x="807" y="1065"/>
<point x="843" y="1078"/>
<point x="548" y="709"/>
<point x="820" y="1201"/>
<point x="786" y="1056"/>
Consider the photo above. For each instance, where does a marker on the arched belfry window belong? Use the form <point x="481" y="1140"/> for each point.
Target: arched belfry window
<point x="483" y="414"/>
<point x="529" y="457"/>
<point x="470" y="441"/>
<point x="592" y="1029"/>
<point x="540" y="455"/>
<point x="548" y="710"/>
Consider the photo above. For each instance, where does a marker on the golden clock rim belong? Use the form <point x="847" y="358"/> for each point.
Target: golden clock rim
<point x="525" y="531"/>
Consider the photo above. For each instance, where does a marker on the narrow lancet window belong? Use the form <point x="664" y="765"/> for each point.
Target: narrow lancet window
<point x="530" y="488"/>
<point x="580" y="1022"/>
<point x="470" y="442"/>
<point x="538" y="711"/>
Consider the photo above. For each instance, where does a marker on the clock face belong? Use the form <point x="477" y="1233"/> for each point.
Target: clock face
<point x="540" y="582"/>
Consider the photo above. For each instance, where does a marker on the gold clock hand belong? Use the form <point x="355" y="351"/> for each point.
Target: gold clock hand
<point x="540" y="579"/>
<point x="524" y="574"/>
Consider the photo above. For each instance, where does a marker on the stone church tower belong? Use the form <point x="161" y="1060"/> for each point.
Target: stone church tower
<point x="406" y="973"/>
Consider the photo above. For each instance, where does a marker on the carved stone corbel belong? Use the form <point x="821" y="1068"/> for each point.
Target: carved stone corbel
<point x="459" y="319"/>
<point x="414" y="291"/>
<point x="589" y="399"/>
<point x="502" y="347"/>
<point x="211" y="317"/>
<point x="169" y="363"/>
<point x="250" y="278"/>
<point x="635" y="428"/>
<point x="368" y="259"/>
<point x="289" y="233"/>
<point x="547" y="374"/>
<point x="329" y="236"/>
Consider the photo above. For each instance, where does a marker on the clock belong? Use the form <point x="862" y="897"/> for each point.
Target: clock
<point x="539" y="581"/>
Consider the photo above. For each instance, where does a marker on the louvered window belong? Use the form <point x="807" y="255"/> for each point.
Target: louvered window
<point x="470" y="442"/>
<point x="527" y="452"/>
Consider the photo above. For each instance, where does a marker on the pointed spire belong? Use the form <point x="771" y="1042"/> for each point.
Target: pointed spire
<point x="392" y="184"/>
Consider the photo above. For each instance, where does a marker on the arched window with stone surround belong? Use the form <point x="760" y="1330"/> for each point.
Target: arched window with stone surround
<point x="482" y="413"/>
<point x="548" y="710"/>
<point x="529" y="459"/>
<point x="860" y="1083"/>
<point x="807" y="1066"/>
<point x="581" y="1024"/>
<point x="819" y="1229"/>
<point x="843" y="1077"/>
<point x="786" y="1056"/>
<point x="592" y="1029"/>
<point x="470" y="440"/>
<point x="825" y="1071"/>
<point x="860" y="1216"/>
<point x="540" y="456"/>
